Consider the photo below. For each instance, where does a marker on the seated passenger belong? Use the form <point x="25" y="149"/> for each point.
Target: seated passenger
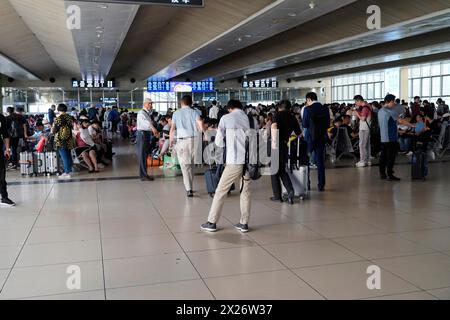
<point x="86" y="146"/>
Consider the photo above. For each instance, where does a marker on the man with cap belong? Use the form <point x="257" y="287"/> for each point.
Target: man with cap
<point x="388" y="122"/>
<point x="145" y="130"/>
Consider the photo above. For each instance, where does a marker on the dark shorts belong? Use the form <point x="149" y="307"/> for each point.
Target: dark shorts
<point x="80" y="150"/>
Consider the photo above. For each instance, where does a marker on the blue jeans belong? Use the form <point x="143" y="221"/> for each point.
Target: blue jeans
<point x="318" y="149"/>
<point x="66" y="157"/>
<point x="405" y="144"/>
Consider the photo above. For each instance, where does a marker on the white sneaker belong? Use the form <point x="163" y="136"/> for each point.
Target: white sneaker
<point x="65" y="176"/>
<point x="409" y="154"/>
<point x="360" y="164"/>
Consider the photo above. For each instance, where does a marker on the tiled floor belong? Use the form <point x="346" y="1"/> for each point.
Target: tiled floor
<point x="134" y="240"/>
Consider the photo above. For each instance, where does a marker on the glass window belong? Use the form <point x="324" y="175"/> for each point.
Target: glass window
<point x="436" y="86"/>
<point x="446" y="68"/>
<point x="370" y="91"/>
<point x="377" y="92"/>
<point x="364" y="90"/>
<point x="436" y="69"/>
<point x="426" y="90"/>
<point x="340" y="93"/>
<point x="335" y="94"/>
<point x="426" y="70"/>
<point x="410" y="87"/>
<point x="416" y="88"/>
<point x="351" y="91"/>
<point x="357" y="89"/>
<point x="370" y="77"/>
<point x="415" y="72"/>
<point x="446" y="86"/>
<point x="345" y="95"/>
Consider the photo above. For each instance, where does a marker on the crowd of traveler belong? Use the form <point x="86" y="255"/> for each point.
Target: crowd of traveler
<point x="378" y="129"/>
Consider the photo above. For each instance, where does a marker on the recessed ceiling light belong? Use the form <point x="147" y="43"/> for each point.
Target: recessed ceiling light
<point x="292" y="14"/>
<point x="219" y="49"/>
<point x="248" y="36"/>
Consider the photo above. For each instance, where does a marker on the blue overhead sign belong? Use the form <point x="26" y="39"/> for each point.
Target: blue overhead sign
<point x="167" y="86"/>
<point x="177" y="3"/>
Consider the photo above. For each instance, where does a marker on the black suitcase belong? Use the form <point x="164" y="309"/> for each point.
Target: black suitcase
<point x="212" y="181"/>
<point x="419" y="166"/>
<point x="212" y="178"/>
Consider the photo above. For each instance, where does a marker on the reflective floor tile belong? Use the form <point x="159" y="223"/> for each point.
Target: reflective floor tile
<point x="349" y="281"/>
<point x="114" y="248"/>
<point x="225" y="238"/>
<point x="180" y="290"/>
<point x="133" y="229"/>
<point x="275" y="285"/>
<point x="437" y="239"/>
<point x="148" y="270"/>
<point x="64" y="233"/>
<point x="342" y="228"/>
<point x="14" y="236"/>
<point x="90" y="295"/>
<point x="382" y="246"/>
<point x="400" y="222"/>
<point x="408" y="296"/>
<point x="8" y="255"/>
<point x="51" y="280"/>
<point x="280" y="233"/>
<point x="224" y="262"/>
<point x="442" y="294"/>
<point x="311" y="253"/>
<point x="428" y="271"/>
<point x="59" y="253"/>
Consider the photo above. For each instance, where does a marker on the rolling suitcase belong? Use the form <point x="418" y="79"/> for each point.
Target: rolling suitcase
<point x="300" y="182"/>
<point x="212" y="181"/>
<point x="39" y="163"/>
<point x="298" y="169"/>
<point x="419" y="166"/>
<point x="26" y="164"/>
<point x="51" y="163"/>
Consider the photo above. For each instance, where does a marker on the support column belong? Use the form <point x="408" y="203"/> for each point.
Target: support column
<point x="404" y="83"/>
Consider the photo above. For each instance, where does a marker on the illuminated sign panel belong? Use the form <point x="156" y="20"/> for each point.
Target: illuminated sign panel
<point x="167" y="86"/>
<point x="265" y="84"/>
<point x="93" y="84"/>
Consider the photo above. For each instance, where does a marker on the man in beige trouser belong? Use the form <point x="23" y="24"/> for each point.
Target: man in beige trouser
<point x="185" y="153"/>
<point x="232" y="174"/>
<point x="233" y="127"/>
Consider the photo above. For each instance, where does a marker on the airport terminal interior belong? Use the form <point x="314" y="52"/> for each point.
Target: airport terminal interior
<point x="79" y="220"/>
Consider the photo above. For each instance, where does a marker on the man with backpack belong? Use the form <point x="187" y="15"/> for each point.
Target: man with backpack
<point x="364" y="113"/>
<point x="234" y="127"/>
<point x="316" y="120"/>
<point x="17" y="128"/>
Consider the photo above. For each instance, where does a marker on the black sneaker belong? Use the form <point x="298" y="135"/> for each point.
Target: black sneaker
<point x="393" y="178"/>
<point x="190" y="194"/>
<point x="273" y="199"/>
<point x="210" y="227"/>
<point x="383" y="177"/>
<point x="242" y="227"/>
<point x="7" y="203"/>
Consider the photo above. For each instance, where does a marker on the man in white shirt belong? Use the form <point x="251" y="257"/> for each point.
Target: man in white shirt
<point x="145" y="130"/>
<point x="187" y="124"/>
<point x="234" y="127"/>
<point x="214" y="112"/>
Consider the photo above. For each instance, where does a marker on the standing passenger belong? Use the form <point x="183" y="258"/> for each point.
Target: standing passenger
<point x="62" y="130"/>
<point x="316" y="119"/>
<point x="145" y="131"/>
<point x="233" y="127"/>
<point x="187" y="124"/>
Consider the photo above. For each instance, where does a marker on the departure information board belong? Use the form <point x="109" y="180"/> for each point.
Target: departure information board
<point x="260" y="84"/>
<point x="176" y="3"/>
<point x="167" y="86"/>
<point x="93" y="84"/>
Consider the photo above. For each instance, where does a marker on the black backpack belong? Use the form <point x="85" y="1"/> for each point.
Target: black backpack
<point x="374" y="125"/>
<point x="319" y="126"/>
<point x="253" y="170"/>
<point x="14" y="130"/>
